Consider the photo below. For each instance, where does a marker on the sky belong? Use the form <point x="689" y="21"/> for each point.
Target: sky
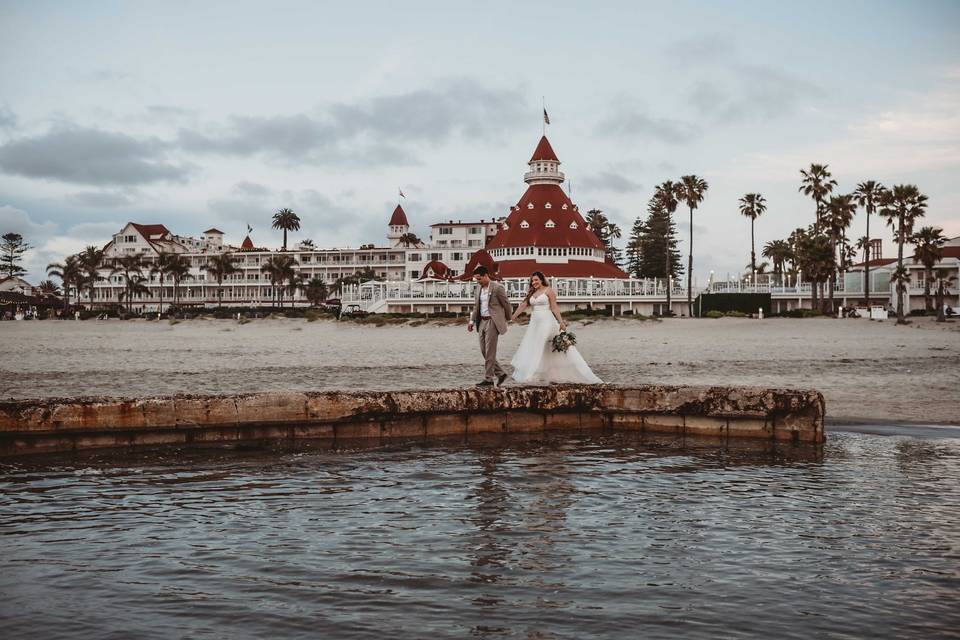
<point x="215" y="114"/>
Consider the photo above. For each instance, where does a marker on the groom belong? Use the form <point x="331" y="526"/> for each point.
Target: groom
<point x="490" y="312"/>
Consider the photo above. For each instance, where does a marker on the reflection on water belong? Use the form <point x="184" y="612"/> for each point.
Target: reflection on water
<point x="572" y="537"/>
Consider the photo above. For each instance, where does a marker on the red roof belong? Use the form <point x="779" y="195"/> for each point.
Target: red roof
<point x="572" y="269"/>
<point x="437" y="270"/>
<point x="569" y="229"/>
<point x="247" y="244"/>
<point x="544" y="151"/>
<point x="480" y="258"/>
<point x="399" y="218"/>
<point x="150" y="230"/>
<point x="876" y="262"/>
<point x="214" y="230"/>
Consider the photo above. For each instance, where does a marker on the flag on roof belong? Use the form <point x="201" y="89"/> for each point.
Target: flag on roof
<point x="401" y="193"/>
<point x="249" y="228"/>
<point x="546" y="118"/>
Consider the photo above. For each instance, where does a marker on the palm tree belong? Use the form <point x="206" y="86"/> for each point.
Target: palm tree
<point x="219" y="267"/>
<point x="135" y="286"/>
<point x="70" y="272"/>
<point x="279" y="269"/>
<point x="131" y="266"/>
<point x="161" y="268"/>
<point x="178" y="268"/>
<point x="867" y="195"/>
<point x="668" y="194"/>
<point x="944" y="280"/>
<point x="90" y="260"/>
<point x="901" y="206"/>
<point x="287" y="220"/>
<point x="692" y="191"/>
<point x="837" y="216"/>
<point x="817" y="183"/>
<point x="779" y="252"/>
<point x="410" y="239"/>
<point x="49" y="288"/>
<point x="315" y="291"/>
<point x="928" y="250"/>
<point x="814" y="256"/>
<point x="752" y="205"/>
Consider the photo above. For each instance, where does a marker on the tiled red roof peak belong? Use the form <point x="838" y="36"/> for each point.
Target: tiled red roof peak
<point x="551" y="221"/>
<point x="399" y="218"/>
<point x="150" y="230"/>
<point x="247" y="244"/>
<point x="480" y="258"/>
<point x="544" y="151"/>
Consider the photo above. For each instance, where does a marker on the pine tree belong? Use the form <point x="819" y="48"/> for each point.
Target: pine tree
<point x="12" y="249"/>
<point x="634" y="250"/>
<point x="660" y="232"/>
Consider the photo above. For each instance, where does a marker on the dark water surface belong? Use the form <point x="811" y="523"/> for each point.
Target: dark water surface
<point x="572" y="537"/>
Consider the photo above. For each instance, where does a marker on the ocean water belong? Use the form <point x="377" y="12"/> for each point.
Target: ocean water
<point x="572" y="536"/>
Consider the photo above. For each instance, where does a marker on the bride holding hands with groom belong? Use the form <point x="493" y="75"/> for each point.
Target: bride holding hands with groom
<point x="538" y="359"/>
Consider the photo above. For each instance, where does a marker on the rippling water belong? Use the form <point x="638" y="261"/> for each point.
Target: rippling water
<point x="572" y="537"/>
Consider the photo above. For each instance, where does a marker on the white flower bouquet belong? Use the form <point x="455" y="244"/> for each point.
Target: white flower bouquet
<point x="563" y="341"/>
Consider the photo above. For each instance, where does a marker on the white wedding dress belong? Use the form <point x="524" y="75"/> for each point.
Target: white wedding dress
<point x="536" y="362"/>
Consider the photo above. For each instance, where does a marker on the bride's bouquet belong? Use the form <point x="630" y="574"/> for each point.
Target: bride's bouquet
<point x="563" y="341"/>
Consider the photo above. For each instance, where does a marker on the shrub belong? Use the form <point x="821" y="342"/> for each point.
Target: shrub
<point x="735" y="314"/>
<point x="713" y="314"/>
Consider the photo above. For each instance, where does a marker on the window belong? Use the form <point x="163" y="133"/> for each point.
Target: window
<point x="505" y="226"/>
<point x="573" y="225"/>
<point x="456" y="256"/>
<point x="564" y="207"/>
<point x="436" y="256"/>
<point x="414" y="274"/>
<point x="524" y="224"/>
<point x="475" y="230"/>
<point x="548" y="206"/>
<point x="530" y="205"/>
<point x="446" y="231"/>
<point x="415" y="257"/>
<point x="550" y="224"/>
<point x="475" y="243"/>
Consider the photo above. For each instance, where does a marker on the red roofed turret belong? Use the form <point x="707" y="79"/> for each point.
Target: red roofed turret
<point x="247" y="244"/>
<point x="399" y="218"/>
<point x="544" y="151"/>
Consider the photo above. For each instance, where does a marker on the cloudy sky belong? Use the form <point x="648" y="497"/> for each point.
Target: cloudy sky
<point x="216" y="114"/>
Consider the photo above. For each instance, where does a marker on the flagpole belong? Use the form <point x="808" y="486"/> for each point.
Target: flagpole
<point x="543" y="126"/>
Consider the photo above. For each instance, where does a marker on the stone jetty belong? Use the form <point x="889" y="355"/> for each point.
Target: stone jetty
<point x="75" y="424"/>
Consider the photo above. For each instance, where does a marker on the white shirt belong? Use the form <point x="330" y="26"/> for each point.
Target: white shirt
<point x="485" y="301"/>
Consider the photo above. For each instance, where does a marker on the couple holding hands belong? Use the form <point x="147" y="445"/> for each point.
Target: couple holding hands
<point x="536" y="361"/>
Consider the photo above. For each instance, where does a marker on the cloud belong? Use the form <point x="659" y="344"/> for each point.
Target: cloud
<point x="90" y="156"/>
<point x="255" y="189"/>
<point x="627" y="121"/>
<point x="708" y="47"/>
<point x="378" y="131"/>
<point x="8" y="119"/>
<point x="104" y="199"/>
<point x="750" y="93"/>
<point x="13" y="220"/>
<point x="609" y="181"/>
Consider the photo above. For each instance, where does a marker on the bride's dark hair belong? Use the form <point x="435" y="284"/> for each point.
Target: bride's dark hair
<point x="543" y="282"/>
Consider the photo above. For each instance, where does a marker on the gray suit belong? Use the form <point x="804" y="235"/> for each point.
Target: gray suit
<point x="489" y="330"/>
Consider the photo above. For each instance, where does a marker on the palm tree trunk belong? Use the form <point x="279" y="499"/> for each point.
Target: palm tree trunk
<point x="690" y="270"/>
<point x="941" y="316"/>
<point x="927" y="276"/>
<point x="160" y="307"/>
<point x="866" y="264"/>
<point x="753" y="255"/>
<point x="284" y="238"/>
<point x="900" y="239"/>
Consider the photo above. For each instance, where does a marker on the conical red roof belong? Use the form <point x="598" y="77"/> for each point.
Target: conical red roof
<point x="544" y="151"/>
<point x="399" y="218"/>
<point x="568" y="228"/>
<point x="480" y="259"/>
<point x="247" y="244"/>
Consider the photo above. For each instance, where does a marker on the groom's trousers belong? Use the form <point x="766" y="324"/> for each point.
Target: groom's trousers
<point x="487" y="331"/>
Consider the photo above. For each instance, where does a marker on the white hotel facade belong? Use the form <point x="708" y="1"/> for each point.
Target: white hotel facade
<point x="544" y="232"/>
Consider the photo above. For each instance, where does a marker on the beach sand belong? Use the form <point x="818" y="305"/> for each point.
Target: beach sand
<point x="866" y="370"/>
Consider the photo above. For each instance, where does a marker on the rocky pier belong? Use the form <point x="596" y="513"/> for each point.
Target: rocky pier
<point x="74" y="424"/>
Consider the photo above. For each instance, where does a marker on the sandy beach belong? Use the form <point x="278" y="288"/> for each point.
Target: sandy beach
<point x="866" y="370"/>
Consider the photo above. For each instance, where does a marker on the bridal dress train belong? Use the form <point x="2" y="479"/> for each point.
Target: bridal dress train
<point x="536" y="362"/>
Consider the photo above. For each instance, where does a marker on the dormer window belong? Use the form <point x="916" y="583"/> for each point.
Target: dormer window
<point x="505" y="226"/>
<point x="564" y="207"/>
<point x="550" y="224"/>
<point x="573" y="225"/>
<point x="547" y="206"/>
<point x="530" y="205"/>
<point x="524" y="224"/>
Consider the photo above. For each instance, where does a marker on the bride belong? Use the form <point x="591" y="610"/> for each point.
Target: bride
<point x="535" y="360"/>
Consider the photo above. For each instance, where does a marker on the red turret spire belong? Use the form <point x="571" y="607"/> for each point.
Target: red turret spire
<point x="544" y="151"/>
<point x="399" y="218"/>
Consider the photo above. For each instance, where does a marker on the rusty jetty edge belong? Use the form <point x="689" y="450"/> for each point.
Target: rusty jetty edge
<point x="75" y="424"/>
